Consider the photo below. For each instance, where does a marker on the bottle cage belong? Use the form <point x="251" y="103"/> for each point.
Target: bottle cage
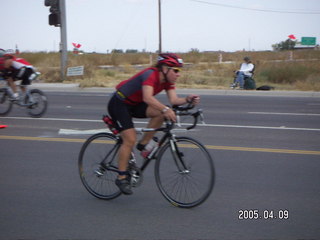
<point x="107" y="120"/>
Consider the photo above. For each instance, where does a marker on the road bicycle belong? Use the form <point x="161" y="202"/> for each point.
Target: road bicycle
<point x="34" y="100"/>
<point x="184" y="169"/>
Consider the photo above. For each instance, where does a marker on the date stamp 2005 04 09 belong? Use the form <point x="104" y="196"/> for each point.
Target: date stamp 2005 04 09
<point x="255" y="214"/>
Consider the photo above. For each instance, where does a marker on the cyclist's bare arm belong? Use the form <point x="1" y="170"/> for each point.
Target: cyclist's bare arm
<point x="175" y="100"/>
<point x="149" y="99"/>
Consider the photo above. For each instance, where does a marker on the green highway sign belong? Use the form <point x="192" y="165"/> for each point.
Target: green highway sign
<point x="308" y="41"/>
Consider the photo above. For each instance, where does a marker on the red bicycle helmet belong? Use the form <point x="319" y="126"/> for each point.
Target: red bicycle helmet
<point x="8" y="56"/>
<point x="170" y="59"/>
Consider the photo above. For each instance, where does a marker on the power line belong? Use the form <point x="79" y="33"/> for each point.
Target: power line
<point x="256" y="9"/>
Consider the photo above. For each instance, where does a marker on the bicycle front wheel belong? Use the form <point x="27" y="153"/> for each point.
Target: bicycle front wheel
<point x="5" y="103"/>
<point x="184" y="172"/>
<point x="99" y="150"/>
<point x="36" y="103"/>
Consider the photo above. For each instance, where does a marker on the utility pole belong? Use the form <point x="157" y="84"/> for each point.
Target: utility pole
<point x="160" y="40"/>
<point x="63" y="36"/>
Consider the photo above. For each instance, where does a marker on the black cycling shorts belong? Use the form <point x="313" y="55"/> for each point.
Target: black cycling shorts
<point x="122" y="113"/>
<point x="24" y="74"/>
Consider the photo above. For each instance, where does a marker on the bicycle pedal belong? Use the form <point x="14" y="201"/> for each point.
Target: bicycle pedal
<point x="99" y="172"/>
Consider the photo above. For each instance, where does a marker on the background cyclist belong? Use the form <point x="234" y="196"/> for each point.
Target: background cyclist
<point x="135" y="98"/>
<point x="14" y="69"/>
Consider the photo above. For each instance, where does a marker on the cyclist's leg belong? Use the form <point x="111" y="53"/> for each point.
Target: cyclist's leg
<point x="128" y="137"/>
<point x="119" y="112"/>
<point x="128" y="140"/>
<point x="25" y="80"/>
<point x="156" y="121"/>
<point x="12" y="84"/>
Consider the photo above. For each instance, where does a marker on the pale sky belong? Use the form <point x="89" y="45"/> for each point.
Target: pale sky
<point x="207" y="25"/>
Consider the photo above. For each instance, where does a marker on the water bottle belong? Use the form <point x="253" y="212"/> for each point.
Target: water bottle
<point x="149" y="147"/>
<point x="34" y="76"/>
<point x="110" y="124"/>
<point x="151" y="144"/>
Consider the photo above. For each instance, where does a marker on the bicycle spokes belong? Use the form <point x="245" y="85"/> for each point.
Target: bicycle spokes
<point x="184" y="172"/>
<point x="107" y="162"/>
<point x="98" y="166"/>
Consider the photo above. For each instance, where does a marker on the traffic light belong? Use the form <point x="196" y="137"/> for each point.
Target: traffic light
<point x="54" y="16"/>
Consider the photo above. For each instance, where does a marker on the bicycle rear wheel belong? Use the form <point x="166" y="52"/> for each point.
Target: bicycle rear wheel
<point x="185" y="172"/>
<point x="5" y="103"/>
<point x="98" y="150"/>
<point x="36" y="103"/>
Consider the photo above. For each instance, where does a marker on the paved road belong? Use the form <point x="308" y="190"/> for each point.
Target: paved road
<point x="267" y="158"/>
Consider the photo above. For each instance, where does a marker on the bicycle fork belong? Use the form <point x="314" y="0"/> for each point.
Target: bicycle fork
<point x="178" y="157"/>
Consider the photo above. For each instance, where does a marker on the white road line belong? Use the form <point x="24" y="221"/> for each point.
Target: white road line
<point x="199" y="125"/>
<point x="81" y="132"/>
<point x="290" y="114"/>
<point x="53" y="119"/>
<point x="94" y="131"/>
<point x="263" y="127"/>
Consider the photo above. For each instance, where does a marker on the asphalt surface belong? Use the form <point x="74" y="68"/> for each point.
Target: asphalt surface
<point x="266" y="151"/>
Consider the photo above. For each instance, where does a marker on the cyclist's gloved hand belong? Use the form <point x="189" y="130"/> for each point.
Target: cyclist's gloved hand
<point x="193" y="99"/>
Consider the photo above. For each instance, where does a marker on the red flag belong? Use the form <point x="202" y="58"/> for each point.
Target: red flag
<point x="291" y="36"/>
<point x="76" y="45"/>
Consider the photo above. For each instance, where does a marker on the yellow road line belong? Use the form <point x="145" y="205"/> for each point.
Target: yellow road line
<point x="269" y="150"/>
<point x="246" y="149"/>
<point x="44" y="139"/>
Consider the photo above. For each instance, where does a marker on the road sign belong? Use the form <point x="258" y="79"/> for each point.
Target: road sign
<point x="75" y="71"/>
<point x="308" y="41"/>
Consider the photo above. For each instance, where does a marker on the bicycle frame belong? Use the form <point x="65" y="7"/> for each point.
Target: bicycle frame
<point x="168" y="135"/>
<point x="178" y="170"/>
<point x="20" y="102"/>
<point x="34" y="100"/>
<point x="153" y="154"/>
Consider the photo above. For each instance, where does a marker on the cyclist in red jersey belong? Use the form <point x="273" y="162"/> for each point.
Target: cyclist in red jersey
<point x="135" y="98"/>
<point x="2" y="53"/>
<point x="14" y="69"/>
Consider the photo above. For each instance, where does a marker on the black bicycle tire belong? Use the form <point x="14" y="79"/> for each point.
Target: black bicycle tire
<point x="211" y="171"/>
<point x="6" y="111"/>
<point x="45" y="106"/>
<point x="83" y="178"/>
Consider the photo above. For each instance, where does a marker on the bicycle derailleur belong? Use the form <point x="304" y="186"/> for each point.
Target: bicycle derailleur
<point x="135" y="172"/>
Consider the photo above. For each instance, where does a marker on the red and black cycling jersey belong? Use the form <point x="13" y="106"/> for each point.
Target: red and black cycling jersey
<point x="130" y="91"/>
<point x="17" y="65"/>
